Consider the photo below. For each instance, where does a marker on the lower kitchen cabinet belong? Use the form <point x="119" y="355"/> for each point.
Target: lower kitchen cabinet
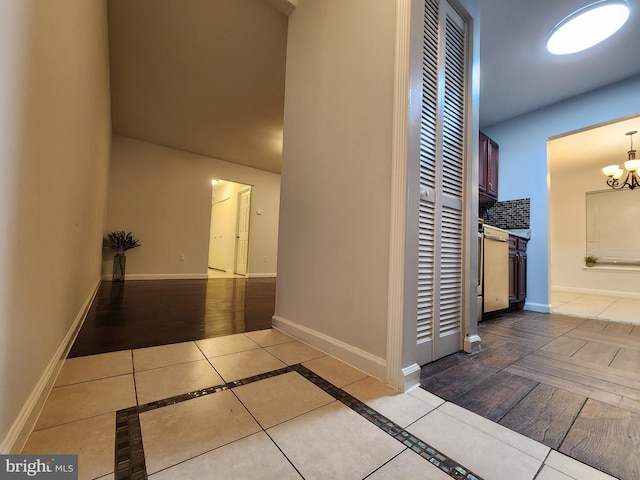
<point x="517" y="271"/>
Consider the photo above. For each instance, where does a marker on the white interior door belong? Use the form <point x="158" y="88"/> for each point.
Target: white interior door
<point x="221" y="238"/>
<point x="242" y="235"/>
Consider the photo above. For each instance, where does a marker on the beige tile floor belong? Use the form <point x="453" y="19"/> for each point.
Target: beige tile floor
<point x="601" y="307"/>
<point x="281" y="427"/>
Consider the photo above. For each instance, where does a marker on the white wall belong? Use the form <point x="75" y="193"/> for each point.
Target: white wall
<point x="523" y="164"/>
<point x="567" y="214"/>
<point x="55" y="132"/>
<point x="335" y="199"/>
<point x="163" y="196"/>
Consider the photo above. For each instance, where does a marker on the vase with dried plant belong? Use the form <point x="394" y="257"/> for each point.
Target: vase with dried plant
<point x="120" y="242"/>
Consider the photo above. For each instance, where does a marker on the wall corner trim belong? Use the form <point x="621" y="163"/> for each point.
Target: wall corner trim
<point x="365" y="361"/>
<point x="26" y="420"/>
<point x="398" y="229"/>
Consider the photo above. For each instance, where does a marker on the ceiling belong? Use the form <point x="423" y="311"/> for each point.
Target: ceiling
<point x="517" y="75"/>
<point x="207" y="76"/>
<point x="594" y="147"/>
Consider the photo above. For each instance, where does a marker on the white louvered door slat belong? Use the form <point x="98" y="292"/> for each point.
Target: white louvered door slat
<point x="426" y="220"/>
<point x="442" y="162"/>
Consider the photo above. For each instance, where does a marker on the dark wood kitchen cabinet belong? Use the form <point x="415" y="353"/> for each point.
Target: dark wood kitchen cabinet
<point x="488" y="156"/>
<point x="517" y="271"/>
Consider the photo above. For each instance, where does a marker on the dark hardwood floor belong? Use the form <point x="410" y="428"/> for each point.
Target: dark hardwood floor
<point x="145" y="313"/>
<point x="570" y="383"/>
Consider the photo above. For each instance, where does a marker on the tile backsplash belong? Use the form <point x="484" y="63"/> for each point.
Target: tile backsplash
<point x="508" y="215"/>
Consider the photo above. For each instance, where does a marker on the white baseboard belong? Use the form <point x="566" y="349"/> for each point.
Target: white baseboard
<point x="162" y="276"/>
<point x="537" y="307"/>
<point x="26" y="420"/>
<point x="472" y="344"/>
<point x="411" y="375"/>
<point x="371" y="364"/>
<point x="591" y="291"/>
<point x="180" y="276"/>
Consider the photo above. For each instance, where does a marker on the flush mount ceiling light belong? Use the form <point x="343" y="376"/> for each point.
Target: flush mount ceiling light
<point x="588" y="26"/>
<point x="631" y="165"/>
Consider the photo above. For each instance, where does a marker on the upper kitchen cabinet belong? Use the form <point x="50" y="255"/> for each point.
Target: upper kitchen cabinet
<point x="488" y="155"/>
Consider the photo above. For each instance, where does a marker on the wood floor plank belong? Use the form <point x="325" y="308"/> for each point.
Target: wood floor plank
<point x="586" y="376"/>
<point x="622" y="375"/>
<point x="607" y="438"/>
<point x="627" y="359"/>
<point x="616" y="328"/>
<point x="565" y="345"/>
<point x="545" y="414"/>
<point x="575" y="387"/>
<point x="494" y="397"/>
<point x="458" y="380"/>
<point x="629" y="404"/>
<point x="505" y="354"/>
<point x="545" y="326"/>
<point x="520" y="335"/>
<point x="597" y="352"/>
<point x="443" y="364"/>
<point x="592" y="325"/>
<point x="620" y="340"/>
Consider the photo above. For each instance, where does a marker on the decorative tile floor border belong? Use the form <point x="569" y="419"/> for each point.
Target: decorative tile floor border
<point x="444" y="463"/>
<point x="130" y="462"/>
<point x="129" y="458"/>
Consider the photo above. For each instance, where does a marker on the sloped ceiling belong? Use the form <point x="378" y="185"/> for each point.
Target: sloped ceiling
<point x="205" y="76"/>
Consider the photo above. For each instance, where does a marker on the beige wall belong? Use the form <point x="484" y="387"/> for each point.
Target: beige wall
<point x="163" y="196"/>
<point x="55" y="134"/>
<point x="335" y="200"/>
<point x="567" y="236"/>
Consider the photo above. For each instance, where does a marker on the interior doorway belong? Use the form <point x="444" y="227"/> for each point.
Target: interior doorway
<point x="229" y="228"/>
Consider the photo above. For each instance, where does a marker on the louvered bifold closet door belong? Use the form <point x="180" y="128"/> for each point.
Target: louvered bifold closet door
<point x="442" y="160"/>
<point x="427" y="218"/>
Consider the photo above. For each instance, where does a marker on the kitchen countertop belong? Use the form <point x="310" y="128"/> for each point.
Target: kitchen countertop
<point x="519" y="232"/>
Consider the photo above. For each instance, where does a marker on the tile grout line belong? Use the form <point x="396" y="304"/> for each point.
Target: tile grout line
<point x="129" y="450"/>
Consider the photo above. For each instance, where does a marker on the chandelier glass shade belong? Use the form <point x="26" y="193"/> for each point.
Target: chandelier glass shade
<point x="614" y="173"/>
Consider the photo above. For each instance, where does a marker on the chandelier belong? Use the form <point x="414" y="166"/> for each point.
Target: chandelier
<point x="632" y="165"/>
